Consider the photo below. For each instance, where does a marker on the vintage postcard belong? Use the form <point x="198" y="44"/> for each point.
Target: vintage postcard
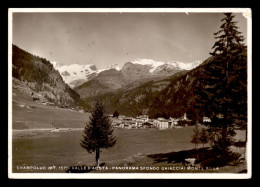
<point x="142" y="93"/>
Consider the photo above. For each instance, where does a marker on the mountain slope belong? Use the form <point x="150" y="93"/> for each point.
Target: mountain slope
<point x="131" y="75"/>
<point x="75" y="74"/>
<point x="172" y="96"/>
<point x="41" y="78"/>
<point x="133" y="101"/>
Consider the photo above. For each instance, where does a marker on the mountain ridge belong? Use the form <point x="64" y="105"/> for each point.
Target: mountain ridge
<point x="75" y="74"/>
<point x="169" y="97"/>
<point x="132" y="73"/>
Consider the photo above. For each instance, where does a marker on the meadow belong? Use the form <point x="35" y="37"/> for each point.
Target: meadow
<point x="41" y="148"/>
<point x="63" y="148"/>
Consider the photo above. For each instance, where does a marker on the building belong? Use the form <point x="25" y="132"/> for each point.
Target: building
<point x="173" y="122"/>
<point x="121" y="117"/>
<point x="115" y="124"/>
<point x="127" y="118"/>
<point x="147" y="125"/>
<point x="206" y="119"/>
<point x="161" y="123"/>
<point x="184" y="116"/>
<point x="142" y="119"/>
<point x="36" y="99"/>
<point x="129" y="122"/>
<point x="127" y="126"/>
<point x="121" y="125"/>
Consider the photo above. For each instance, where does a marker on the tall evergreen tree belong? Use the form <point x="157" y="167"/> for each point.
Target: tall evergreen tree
<point x="196" y="136"/>
<point x="116" y="114"/>
<point x="98" y="133"/>
<point x="222" y="91"/>
<point x="203" y="136"/>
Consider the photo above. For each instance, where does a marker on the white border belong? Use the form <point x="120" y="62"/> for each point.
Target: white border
<point x="246" y="12"/>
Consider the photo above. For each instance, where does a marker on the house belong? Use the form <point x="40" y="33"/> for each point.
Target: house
<point x="130" y="124"/>
<point x="141" y="119"/>
<point x="173" y="122"/>
<point x="206" y="119"/>
<point x="121" y="125"/>
<point x="121" y="117"/>
<point x="161" y="123"/>
<point x="145" y="118"/>
<point x="127" y="126"/>
<point x="147" y="125"/>
<point x="36" y="99"/>
<point x="128" y="118"/>
<point x="164" y="125"/>
<point x="117" y="125"/>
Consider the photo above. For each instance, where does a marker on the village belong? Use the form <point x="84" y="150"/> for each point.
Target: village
<point x="143" y="121"/>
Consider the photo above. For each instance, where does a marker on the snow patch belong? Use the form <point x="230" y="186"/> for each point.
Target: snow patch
<point x="150" y="62"/>
<point x="155" y="65"/>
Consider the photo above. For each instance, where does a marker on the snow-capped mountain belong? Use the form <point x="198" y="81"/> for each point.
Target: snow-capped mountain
<point x="157" y="65"/>
<point x="76" y="74"/>
<point x="131" y="75"/>
<point x="114" y="66"/>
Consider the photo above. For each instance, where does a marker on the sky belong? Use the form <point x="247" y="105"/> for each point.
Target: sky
<point x="116" y="38"/>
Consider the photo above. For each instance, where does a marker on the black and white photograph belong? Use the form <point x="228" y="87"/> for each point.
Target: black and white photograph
<point x="135" y="93"/>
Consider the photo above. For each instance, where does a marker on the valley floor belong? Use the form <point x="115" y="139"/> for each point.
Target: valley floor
<point x="46" y="139"/>
<point x="156" y="150"/>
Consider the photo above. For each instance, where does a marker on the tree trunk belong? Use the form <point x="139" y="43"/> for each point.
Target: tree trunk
<point x="97" y="156"/>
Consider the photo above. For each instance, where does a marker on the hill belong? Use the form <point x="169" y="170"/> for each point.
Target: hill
<point x="172" y="96"/>
<point x="41" y="79"/>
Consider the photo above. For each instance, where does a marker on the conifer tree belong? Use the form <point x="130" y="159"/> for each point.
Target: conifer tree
<point x="196" y="135"/>
<point x="223" y="84"/>
<point x="98" y="133"/>
<point x="203" y="136"/>
<point x="116" y="114"/>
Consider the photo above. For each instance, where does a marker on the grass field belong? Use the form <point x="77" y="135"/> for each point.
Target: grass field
<point x="43" y="116"/>
<point x="63" y="148"/>
<point x="42" y="147"/>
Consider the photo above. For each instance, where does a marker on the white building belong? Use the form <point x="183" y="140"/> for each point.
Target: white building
<point x="206" y="119"/>
<point x="161" y="123"/>
<point x="185" y="116"/>
<point x="173" y="122"/>
<point x="121" y="117"/>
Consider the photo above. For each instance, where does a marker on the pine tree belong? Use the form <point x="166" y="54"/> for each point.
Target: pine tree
<point x="223" y="84"/>
<point x="203" y="136"/>
<point x="196" y="135"/>
<point x="116" y="114"/>
<point x="98" y="133"/>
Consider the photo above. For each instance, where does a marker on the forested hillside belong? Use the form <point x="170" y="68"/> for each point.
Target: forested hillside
<point x="42" y="78"/>
<point x="174" y="96"/>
